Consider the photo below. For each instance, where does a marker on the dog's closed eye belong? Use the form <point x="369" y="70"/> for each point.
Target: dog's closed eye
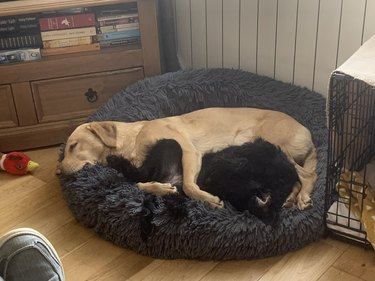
<point x="72" y="146"/>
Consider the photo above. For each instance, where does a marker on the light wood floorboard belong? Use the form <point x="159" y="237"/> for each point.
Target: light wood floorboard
<point x="35" y="200"/>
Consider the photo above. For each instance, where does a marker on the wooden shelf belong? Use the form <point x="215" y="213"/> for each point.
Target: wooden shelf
<point x="43" y="101"/>
<point x="72" y="64"/>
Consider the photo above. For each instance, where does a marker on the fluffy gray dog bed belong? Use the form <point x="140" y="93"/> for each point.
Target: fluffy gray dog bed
<point x="178" y="227"/>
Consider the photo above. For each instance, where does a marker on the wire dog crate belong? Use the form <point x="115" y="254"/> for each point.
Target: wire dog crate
<point x="351" y="145"/>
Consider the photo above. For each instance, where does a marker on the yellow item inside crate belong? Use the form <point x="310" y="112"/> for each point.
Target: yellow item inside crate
<point x="359" y="197"/>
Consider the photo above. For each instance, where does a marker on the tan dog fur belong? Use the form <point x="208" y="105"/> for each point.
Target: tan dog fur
<point x="198" y="132"/>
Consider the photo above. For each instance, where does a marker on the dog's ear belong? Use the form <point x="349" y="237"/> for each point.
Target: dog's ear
<point x="105" y="131"/>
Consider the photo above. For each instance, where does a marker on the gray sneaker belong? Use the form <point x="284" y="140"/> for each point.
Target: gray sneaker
<point x="26" y="255"/>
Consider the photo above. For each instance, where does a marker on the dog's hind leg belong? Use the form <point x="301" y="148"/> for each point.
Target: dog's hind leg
<point x="292" y="198"/>
<point x="307" y="176"/>
<point x="191" y="164"/>
<point x="308" y="179"/>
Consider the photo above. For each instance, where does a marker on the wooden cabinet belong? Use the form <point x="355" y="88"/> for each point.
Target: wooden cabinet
<point x="77" y="96"/>
<point x="8" y="115"/>
<point x="41" y="102"/>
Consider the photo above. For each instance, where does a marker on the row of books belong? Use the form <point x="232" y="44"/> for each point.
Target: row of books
<point x="68" y="34"/>
<point x="118" y="25"/>
<point x="30" y="37"/>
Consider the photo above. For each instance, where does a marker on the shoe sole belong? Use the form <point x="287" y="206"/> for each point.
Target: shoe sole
<point x="29" y="231"/>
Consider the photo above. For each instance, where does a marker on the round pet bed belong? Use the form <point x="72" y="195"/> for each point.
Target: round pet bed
<point x="179" y="227"/>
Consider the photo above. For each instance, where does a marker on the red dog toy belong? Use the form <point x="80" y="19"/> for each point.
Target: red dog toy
<point x="17" y="163"/>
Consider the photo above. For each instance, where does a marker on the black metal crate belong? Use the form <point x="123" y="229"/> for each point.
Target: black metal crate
<point x="351" y="145"/>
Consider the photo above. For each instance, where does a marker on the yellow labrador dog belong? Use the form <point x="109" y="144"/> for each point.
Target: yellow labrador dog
<point x="198" y="132"/>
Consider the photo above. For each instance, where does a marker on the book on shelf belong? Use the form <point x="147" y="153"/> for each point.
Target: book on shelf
<point x="23" y="41"/>
<point x="116" y="9"/>
<point x="118" y="27"/>
<point x="18" y="25"/>
<point x="118" y="35"/>
<point x="67" y="22"/>
<point x="119" y="42"/>
<point x="116" y="17"/>
<point x="14" y="20"/>
<point x="68" y="33"/>
<point x="67" y="42"/>
<point x="70" y="50"/>
<point x="69" y="11"/>
<point x="119" y="21"/>
<point x="20" y="55"/>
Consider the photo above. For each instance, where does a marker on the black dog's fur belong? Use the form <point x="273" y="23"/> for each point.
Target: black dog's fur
<point x="256" y="176"/>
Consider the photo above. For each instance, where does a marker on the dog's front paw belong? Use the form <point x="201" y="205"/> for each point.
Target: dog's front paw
<point x="304" y="201"/>
<point x="216" y="202"/>
<point x="157" y="188"/>
<point x="167" y="188"/>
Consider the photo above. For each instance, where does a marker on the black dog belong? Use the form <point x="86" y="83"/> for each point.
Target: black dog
<point x="256" y="176"/>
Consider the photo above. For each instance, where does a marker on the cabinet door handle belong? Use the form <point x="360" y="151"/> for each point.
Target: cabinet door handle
<point x="91" y="95"/>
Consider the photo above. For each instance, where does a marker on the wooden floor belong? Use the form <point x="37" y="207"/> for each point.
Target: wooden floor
<point x="36" y="201"/>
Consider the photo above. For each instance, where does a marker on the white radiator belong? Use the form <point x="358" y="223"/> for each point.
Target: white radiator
<point x="296" y="41"/>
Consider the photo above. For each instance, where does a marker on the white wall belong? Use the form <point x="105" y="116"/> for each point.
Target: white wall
<point x="296" y="41"/>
